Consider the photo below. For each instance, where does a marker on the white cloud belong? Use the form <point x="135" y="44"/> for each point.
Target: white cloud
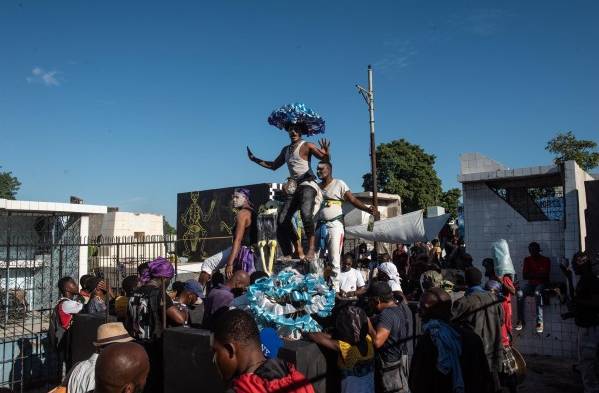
<point x="396" y="56"/>
<point x="47" y="78"/>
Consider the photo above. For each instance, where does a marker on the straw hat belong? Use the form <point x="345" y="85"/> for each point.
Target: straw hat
<point x="110" y="333"/>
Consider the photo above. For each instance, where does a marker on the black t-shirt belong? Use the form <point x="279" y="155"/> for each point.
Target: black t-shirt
<point x="398" y="320"/>
<point x="586" y="316"/>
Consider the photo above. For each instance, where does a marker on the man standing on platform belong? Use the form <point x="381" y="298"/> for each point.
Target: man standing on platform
<point x="330" y="216"/>
<point x="297" y="120"/>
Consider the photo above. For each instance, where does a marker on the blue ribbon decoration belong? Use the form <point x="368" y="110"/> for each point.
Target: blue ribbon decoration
<point x="288" y="300"/>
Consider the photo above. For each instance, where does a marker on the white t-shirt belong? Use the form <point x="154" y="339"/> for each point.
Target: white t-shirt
<point x="350" y="280"/>
<point x="82" y="378"/>
<point x="335" y="191"/>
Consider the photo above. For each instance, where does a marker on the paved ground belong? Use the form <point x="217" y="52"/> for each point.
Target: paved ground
<point x="547" y="374"/>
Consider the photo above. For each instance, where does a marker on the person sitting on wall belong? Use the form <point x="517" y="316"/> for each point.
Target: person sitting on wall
<point x="536" y="270"/>
<point x="240" y="255"/>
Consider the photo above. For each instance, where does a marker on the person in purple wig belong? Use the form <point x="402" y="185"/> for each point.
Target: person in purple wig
<point x="240" y="256"/>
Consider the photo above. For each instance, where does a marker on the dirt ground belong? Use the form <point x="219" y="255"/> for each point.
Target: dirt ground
<point x="547" y="374"/>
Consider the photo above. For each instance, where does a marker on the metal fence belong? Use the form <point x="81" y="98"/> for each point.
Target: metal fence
<point x="30" y="267"/>
<point x="117" y="257"/>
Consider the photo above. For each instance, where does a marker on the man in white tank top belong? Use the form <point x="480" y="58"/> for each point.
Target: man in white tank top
<point x="297" y="156"/>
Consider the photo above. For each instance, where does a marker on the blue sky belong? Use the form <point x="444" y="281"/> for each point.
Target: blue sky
<point x="128" y="103"/>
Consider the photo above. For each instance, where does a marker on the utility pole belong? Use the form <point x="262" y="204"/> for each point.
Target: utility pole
<point x="369" y="98"/>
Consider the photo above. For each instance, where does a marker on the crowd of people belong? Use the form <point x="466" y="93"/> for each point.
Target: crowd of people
<point x="419" y="318"/>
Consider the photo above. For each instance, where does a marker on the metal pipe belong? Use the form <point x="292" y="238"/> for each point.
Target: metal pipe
<point x="375" y="198"/>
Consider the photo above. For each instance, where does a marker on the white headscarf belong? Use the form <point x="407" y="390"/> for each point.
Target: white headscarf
<point x="391" y="271"/>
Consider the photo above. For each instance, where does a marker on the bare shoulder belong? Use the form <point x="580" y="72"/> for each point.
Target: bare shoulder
<point x="244" y="213"/>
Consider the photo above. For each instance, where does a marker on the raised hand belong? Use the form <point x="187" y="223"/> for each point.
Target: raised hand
<point x="325" y="145"/>
<point x="375" y="213"/>
<point x="229" y="270"/>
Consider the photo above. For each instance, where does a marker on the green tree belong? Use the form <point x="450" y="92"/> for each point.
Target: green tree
<point x="407" y="170"/>
<point x="566" y="147"/>
<point x="168" y="228"/>
<point x="9" y="185"/>
<point x="450" y="200"/>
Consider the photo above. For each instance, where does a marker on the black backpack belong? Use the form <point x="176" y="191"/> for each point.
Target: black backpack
<point x="55" y="330"/>
<point x="143" y="313"/>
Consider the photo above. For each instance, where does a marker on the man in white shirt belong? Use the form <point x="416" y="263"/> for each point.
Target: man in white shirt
<point x="81" y="379"/>
<point x="351" y="281"/>
<point x="330" y="216"/>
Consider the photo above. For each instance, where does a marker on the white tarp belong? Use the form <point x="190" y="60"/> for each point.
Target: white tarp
<point x="407" y="228"/>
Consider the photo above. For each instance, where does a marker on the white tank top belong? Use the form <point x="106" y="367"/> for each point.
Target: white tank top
<point x="296" y="164"/>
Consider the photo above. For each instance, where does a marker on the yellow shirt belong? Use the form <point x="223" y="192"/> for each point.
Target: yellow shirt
<point x="352" y="362"/>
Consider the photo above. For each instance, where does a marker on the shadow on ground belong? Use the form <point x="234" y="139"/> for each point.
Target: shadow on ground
<point x="550" y="375"/>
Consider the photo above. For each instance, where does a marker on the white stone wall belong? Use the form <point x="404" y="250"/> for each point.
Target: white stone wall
<point x="126" y="224"/>
<point x="488" y="218"/>
<point x="576" y="204"/>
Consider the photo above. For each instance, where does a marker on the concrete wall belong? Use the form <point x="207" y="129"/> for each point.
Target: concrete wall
<point x="488" y="218"/>
<point x="576" y="204"/>
<point x="126" y="224"/>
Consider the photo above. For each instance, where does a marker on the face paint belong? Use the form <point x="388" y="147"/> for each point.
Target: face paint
<point x="238" y="200"/>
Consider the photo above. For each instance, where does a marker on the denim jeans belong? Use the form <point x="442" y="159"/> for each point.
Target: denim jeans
<point x="531" y="290"/>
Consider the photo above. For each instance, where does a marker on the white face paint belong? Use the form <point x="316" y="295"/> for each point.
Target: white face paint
<point x="238" y="200"/>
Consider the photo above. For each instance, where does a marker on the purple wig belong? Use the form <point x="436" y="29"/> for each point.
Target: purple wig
<point x="158" y="268"/>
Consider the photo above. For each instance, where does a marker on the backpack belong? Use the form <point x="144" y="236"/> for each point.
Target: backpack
<point x="55" y="330"/>
<point x="143" y="313"/>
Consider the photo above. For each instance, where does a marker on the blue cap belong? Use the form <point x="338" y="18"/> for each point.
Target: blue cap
<point x="271" y="342"/>
<point x="194" y="287"/>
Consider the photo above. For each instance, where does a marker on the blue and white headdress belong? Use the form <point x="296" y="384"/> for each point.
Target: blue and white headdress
<point x="297" y="114"/>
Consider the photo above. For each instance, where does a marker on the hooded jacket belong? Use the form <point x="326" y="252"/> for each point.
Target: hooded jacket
<point x="274" y="375"/>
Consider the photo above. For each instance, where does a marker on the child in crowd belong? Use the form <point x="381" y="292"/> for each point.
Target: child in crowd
<point x="355" y="350"/>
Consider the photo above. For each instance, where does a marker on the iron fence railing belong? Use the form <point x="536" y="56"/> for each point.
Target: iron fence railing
<point x="30" y="267"/>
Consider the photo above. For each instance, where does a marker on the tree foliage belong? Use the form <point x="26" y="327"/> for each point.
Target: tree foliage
<point x="168" y="228"/>
<point x="450" y="200"/>
<point x="407" y="170"/>
<point x="566" y="147"/>
<point x="9" y="185"/>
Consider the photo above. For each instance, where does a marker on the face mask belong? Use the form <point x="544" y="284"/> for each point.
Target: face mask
<point x="238" y="201"/>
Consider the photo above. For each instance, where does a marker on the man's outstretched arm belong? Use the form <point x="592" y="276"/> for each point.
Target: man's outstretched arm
<point x="360" y="205"/>
<point x="273" y="165"/>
